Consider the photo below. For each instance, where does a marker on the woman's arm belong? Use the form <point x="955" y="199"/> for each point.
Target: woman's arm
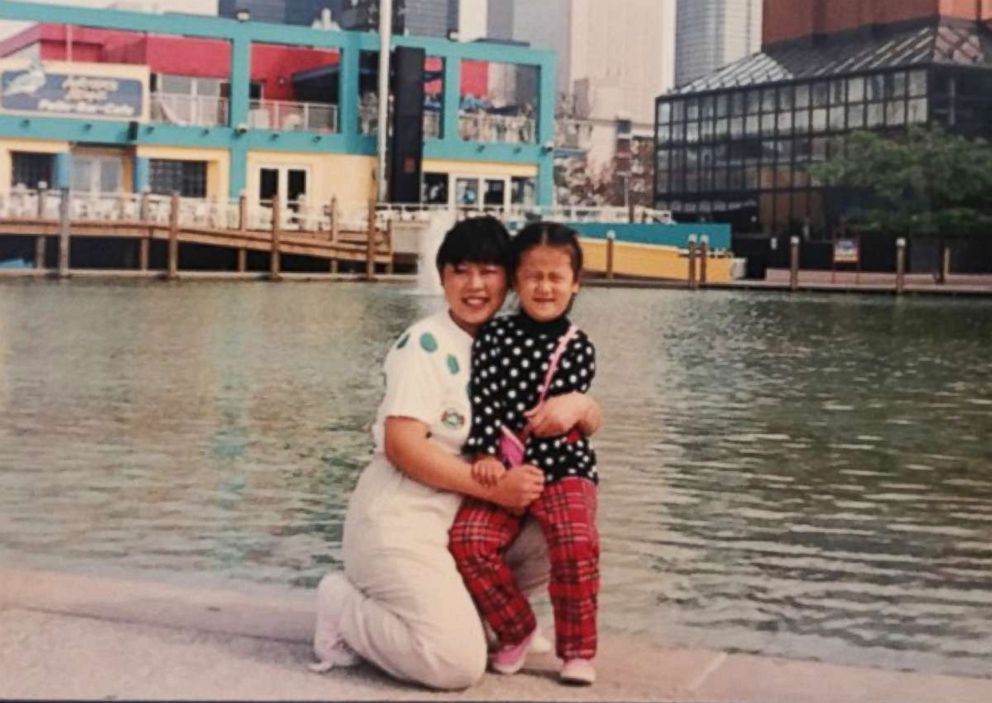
<point x="410" y="449"/>
<point x="558" y="415"/>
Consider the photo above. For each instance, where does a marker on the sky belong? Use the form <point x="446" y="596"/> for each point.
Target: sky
<point x="201" y="7"/>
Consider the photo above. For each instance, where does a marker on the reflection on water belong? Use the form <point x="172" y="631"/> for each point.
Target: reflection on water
<point x="799" y="476"/>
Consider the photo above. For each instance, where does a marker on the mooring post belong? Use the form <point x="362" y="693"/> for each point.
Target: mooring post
<point x="945" y="264"/>
<point x="370" y="245"/>
<point x="610" y="245"/>
<point x="39" y="252"/>
<point x="900" y="265"/>
<point x="274" y="260"/>
<point x="793" y="263"/>
<point x="704" y="252"/>
<point x="173" y="258"/>
<point x="64" y="212"/>
<point x="692" y="261"/>
<point x="242" y="227"/>
<point x="144" y="215"/>
<point x="389" y="246"/>
<point x="334" y="233"/>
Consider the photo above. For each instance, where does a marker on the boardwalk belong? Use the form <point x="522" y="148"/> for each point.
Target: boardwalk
<point x="270" y="227"/>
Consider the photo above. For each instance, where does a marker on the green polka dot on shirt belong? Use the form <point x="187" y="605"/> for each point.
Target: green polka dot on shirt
<point x="428" y="343"/>
<point x="403" y="340"/>
<point x="453" y="366"/>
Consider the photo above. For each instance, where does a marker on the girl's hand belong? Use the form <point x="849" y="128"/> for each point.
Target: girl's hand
<point x="518" y="488"/>
<point x="560" y="414"/>
<point x="488" y="471"/>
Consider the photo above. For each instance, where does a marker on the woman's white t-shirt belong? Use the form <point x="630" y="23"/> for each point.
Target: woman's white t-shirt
<point x="427" y="375"/>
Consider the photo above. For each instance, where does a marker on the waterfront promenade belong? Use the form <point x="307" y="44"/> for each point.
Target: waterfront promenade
<point x="87" y="637"/>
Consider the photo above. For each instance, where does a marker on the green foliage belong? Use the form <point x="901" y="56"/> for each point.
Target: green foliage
<point x="922" y="183"/>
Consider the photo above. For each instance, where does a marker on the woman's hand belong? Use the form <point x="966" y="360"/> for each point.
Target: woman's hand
<point x="558" y="415"/>
<point x="519" y="487"/>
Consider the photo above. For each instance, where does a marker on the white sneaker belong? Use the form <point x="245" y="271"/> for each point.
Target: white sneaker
<point x="578" y="672"/>
<point x="329" y="647"/>
<point x="540" y="644"/>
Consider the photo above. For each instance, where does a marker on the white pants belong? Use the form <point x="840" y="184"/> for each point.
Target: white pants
<point x="406" y="609"/>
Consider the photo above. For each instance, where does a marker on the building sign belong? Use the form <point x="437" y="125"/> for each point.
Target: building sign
<point x="70" y="95"/>
<point x="845" y="251"/>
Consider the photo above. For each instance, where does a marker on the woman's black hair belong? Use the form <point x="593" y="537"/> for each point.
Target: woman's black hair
<point x="477" y="240"/>
<point x="550" y="234"/>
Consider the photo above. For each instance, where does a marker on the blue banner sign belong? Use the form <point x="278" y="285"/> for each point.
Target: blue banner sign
<point x="70" y="95"/>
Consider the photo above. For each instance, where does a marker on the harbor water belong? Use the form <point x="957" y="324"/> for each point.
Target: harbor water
<point x="802" y="476"/>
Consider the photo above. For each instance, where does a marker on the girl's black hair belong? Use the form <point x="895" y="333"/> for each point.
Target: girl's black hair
<point x="550" y="234"/>
<point x="477" y="240"/>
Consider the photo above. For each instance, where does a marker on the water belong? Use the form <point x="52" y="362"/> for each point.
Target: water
<point x="799" y="476"/>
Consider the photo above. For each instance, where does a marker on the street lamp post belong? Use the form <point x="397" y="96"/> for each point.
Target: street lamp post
<point x="385" y="40"/>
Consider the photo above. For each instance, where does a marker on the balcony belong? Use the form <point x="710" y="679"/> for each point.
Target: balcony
<point x="293" y="116"/>
<point x="573" y="135"/>
<point x="189" y="110"/>
<point x="487" y="127"/>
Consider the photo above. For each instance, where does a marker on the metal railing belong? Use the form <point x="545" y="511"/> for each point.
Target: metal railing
<point x="293" y="116"/>
<point x="572" y="134"/>
<point x="485" y="127"/>
<point x="193" y="110"/>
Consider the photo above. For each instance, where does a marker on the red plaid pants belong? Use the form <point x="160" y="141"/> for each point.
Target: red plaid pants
<point x="566" y="512"/>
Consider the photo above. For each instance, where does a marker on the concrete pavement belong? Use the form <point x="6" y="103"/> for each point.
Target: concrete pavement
<point x="85" y="637"/>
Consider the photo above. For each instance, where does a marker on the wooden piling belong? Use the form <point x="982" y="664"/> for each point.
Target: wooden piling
<point x="704" y="252"/>
<point x="793" y="263"/>
<point x="144" y="214"/>
<point x="274" y="259"/>
<point x="334" y="233"/>
<point x="610" y="247"/>
<point x="370" y="245"/>
<point x="242" y="260"/>
<point x="692" y="262"/>
<point x="39" y="252"/>
<point x="173" y="258"/>
<point x="900" y="265"/>
<point x="389" y="246"/>
<point x="64" y="234"/>
<point x="945" y="263"/>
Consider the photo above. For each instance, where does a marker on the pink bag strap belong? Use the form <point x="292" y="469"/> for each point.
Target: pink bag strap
<point x="553" y="362"/>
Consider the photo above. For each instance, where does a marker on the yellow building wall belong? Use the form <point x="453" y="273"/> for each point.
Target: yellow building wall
<point x="35" y="145"/>
<point x="345" y="176"/>
<point x="480" y="168"/>
<point x="218" y="164"/>
<point x="650" y="261"/>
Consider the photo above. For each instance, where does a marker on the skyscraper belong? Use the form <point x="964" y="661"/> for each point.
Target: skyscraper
<point x="712" y="33"/>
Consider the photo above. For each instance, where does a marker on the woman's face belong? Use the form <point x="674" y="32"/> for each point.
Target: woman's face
<point x="475" y="292"/>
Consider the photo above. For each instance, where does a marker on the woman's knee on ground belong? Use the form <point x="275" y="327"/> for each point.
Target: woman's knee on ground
<point x="452" y="662"/>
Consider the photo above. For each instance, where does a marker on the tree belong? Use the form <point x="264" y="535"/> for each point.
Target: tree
<point x="922" y="183"/>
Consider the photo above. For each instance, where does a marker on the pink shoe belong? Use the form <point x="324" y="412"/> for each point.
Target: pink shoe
<point x="509" y="658"/>
<point x="578" y="672"/>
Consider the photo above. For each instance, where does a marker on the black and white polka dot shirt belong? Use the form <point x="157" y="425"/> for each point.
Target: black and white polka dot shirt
<point x="510" y="359"/>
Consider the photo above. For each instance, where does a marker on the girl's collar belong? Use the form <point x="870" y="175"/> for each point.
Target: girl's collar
<point x="555" y="327"/>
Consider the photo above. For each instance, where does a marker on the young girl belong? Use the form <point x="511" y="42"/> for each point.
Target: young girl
<point x="517" y="362"/>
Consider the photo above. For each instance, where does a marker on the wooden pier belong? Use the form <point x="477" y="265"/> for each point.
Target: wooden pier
<point x="274" y="228"/>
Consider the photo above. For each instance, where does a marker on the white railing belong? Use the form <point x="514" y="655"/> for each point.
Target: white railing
<point x="432" y="124"/>
<point x="293" y="116"/>
<point x="573" y="134"/>
<point x="194" y="110"/>
<point x="485" y="127"/>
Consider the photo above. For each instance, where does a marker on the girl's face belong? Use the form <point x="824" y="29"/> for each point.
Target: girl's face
<point x="475" y="292"/>
<point x="545" y="282"/>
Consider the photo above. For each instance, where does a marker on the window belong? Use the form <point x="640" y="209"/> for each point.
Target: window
<point x="188" y="178"/>
<point x="435" y="189"/>
<point x="30" y="169"/>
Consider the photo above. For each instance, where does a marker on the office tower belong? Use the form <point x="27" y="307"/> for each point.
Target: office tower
<point x="712" y="33"/>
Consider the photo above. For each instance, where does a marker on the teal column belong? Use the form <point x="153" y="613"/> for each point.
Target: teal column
<point x="240" y="80"/>
<point x="63" y="170"/>
<point x="546" y="134"/>
<point x="140" y="179"/>
<point x="452" y="98"/>
<point x="348" y="95"/>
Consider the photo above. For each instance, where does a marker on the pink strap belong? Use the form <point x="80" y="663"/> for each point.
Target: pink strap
<point x="553" y="363"/>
